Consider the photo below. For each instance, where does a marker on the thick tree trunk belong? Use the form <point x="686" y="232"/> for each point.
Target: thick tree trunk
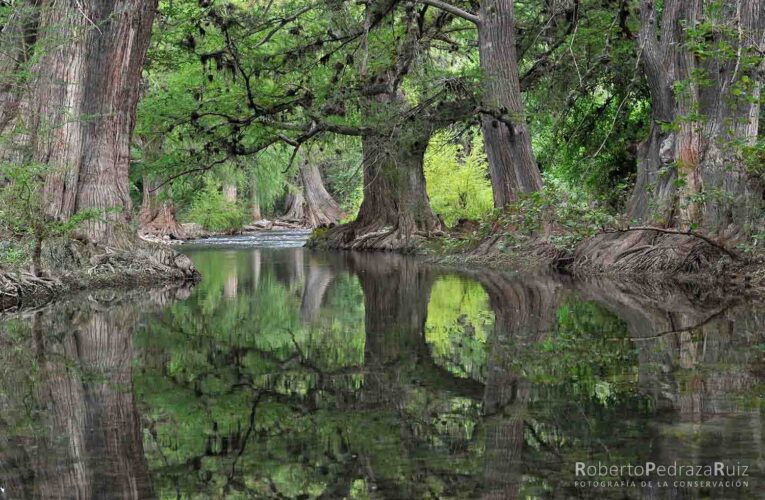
<point x="81" y="107"/>
<point x="19" y="35"/>
<point x="692" y="173"/>
<point x="157" y="218"/>
<point x="321" y="209"/>
<point x="311" y="205"/>
<point x="294" y="206"/>
<point x="512" y="164"/>
<point x="395" y="213"/>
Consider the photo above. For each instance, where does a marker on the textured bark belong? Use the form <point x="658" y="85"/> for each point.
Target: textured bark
<point x="395" y="213"/>
<point x="81" y="107"/>
<point x="711" y="122"/>
<point x="512" y="164"/>
<point x="19" y="35"/>
<point x="157" y="217"/>
<point x="311" y="205"/>
<point x="294" y="206"/>
<point x="321" y="209"/>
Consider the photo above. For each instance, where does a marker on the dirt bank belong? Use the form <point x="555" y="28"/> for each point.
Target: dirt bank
<point x="70" y="266"/>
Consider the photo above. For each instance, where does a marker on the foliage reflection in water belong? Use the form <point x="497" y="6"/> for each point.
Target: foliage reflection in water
<point x="288" y="374"/>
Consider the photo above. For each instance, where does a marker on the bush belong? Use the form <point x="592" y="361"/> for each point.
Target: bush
<point x="458" y="184"/>
<point x="213" y="212"/>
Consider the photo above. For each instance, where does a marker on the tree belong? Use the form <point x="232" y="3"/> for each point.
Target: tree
<point x="702" y="62"/>
<point x="157" y="216"/>
<point x="77" y="110"/>
<point x="310" y="203"/>
<point x="506" y="134"/>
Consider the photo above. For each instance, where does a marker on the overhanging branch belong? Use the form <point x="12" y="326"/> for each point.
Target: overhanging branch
<point x="453" y="10"/>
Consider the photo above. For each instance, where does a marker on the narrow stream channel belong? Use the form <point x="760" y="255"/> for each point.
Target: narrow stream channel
<point x="288" y="373"/>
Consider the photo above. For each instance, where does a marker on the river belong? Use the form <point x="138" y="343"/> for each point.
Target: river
<point x="288" y="373"/>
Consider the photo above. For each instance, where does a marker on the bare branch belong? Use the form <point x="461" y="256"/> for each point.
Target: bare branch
<point x="455" y="11"/>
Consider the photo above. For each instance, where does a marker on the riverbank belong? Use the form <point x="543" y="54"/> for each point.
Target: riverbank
<point x="71" y="266"/>
<point x="642" y="255"/>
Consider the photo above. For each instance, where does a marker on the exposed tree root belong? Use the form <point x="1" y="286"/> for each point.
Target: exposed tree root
<point x="649" y="251"/>
<point x="161" y="223"/>
<point x="72" y="265"/>
<point x="403" y="237"/>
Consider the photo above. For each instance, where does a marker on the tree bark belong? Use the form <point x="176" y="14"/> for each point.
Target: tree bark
<point x="157" y="217"/>
<point x="254" y="200"/>
<point x="704" y="109"/>
<point x="321" y="210"/>
<point x="80" y="106"/>
<point x="512" y="164"/>
<point x="294" y="206"/>
<point x="311" y="205"/>
<point x="17" y="42"/>
<point x="395" y="213"/>
<point x="230" y="192"/>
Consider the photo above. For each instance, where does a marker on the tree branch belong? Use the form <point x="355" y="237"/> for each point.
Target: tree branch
<point x="455" y="11"/>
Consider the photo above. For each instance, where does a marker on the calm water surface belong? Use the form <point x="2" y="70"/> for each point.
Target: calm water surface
<point x="293" y="374"/>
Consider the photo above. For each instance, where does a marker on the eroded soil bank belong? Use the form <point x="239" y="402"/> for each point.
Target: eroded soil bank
<point x="640" y="255"/>
<point x="69" y="266"/>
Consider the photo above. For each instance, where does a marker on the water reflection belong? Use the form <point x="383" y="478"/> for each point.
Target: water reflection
<point x="289" y="373"/>
<point x="70" y="423"/>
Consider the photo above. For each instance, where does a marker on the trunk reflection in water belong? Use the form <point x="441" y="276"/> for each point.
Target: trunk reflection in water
<point x="292" y="373"/>
<point x="71" y="426"/>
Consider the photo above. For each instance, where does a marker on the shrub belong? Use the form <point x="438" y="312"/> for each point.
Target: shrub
<point x="213" y="212"/>
<point x="458" y="183"/>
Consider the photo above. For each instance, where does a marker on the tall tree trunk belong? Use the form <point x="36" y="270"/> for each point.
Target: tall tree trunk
<point x="512" y="165"/>
<point x="17" y="41"/>
<point x="396" y="209"/>
<point x="80" y="110"/>
<point x="690" y="170"/>
<point x="254" y="200"/>
<point x="230" y="192"/>
<point x="311" y="205"/>
<point x="294" y="206"/>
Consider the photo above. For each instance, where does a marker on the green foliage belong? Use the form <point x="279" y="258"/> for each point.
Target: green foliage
<point x="589" y="351"/>
<point x="210" y="209"/>
<point x="457" y="182"/>
<point x="569" y="218"/>
<point x="23" y="221"/>
<point x="459" y="323"/>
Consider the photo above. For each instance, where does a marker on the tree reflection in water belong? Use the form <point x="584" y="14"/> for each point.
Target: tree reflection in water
<point x="289" y="373"/>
